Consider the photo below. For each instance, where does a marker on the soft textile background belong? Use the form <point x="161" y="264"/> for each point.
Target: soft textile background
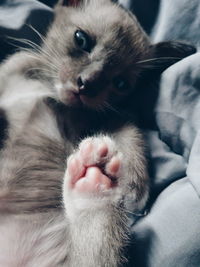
<point x="169" y="234"/>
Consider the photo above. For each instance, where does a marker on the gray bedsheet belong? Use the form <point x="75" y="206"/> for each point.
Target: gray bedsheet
<point x="169" y="234"/>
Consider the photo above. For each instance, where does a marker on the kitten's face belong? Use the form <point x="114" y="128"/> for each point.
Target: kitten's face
<point x="94" y="52"/>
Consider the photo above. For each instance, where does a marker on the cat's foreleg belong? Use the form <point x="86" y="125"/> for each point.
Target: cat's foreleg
<point x="103" y="177"/>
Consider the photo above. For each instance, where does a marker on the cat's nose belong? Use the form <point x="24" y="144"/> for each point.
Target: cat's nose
<point x="86" y="87"/>
<point x="81" y="84"/>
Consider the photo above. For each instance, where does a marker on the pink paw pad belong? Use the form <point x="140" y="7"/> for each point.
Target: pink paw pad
<point x="94" y="168"/>
<point x="94" y="181"/>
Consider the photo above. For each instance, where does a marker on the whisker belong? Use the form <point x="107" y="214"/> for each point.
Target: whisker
<point x="24" y="41"/>
<point x="110" y="107"/>
<point x="157" y="59"/>
<point x="36" y="31"/>
<point x="48" y="50"/>
<point x="43" y="71"/>
<point x="35" y="48"/>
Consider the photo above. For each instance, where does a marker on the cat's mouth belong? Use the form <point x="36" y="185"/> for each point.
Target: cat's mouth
<point x="70" y="96"/>
<point x="74" y="98"/>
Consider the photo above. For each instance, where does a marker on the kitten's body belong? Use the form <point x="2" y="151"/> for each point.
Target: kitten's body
<point x="44" y="221"/>
<point x="33" y="162"/>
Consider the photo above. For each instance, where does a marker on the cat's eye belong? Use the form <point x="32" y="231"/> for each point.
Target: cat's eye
<point x="83" y="40"/>
<point x="120" y="83"/>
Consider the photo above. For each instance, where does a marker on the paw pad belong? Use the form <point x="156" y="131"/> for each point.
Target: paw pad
<point x="94" y="167"/>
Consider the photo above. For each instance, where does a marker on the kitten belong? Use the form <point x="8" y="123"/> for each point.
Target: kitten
<point x="72" y="164"/>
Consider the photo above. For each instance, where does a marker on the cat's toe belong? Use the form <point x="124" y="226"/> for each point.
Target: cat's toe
<point x="113" y="166"/>
<point x="75" y="169"/>
<point x="96" y="151"/>
<point x="94" y="181"/>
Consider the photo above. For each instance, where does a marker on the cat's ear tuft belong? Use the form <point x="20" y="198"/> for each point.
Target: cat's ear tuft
<point x="170" y="52"/>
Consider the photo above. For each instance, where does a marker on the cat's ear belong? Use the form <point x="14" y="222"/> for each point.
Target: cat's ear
<point x="75" y="3"/>
<point x="164" y="55"/>
<point x="69" y="2"/>
<point x="167" y="53"/>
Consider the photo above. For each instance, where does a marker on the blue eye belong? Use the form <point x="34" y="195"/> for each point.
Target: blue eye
<point x="83" y="40"/>
<point x="120" y="83"/>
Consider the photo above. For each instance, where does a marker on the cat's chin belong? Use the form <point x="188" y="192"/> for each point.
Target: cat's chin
<point x="71" y="100"/>
<point x="74" y="100"/>
<point x="90" y="103"/>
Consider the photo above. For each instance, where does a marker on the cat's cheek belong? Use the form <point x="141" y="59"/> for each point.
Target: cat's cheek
<point x="95" y="102"/>
<point x="65" y="72"/>
<point x="92" y="103"/>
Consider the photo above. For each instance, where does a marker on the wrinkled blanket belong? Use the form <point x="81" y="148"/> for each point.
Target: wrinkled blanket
<point x="168" y="235"/>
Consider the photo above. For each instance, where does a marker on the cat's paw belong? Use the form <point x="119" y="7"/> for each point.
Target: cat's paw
<point x="94" y="168"/>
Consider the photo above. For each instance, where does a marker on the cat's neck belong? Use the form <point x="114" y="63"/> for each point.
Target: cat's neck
<point x="76" y="124"/>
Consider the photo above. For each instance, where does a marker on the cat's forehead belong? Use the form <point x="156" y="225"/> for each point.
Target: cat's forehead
<point x="101" y="20"/>
<point x="114" y="30"/>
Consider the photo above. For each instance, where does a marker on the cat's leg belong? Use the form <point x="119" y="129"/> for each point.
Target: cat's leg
<point x="103" y="177"/>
